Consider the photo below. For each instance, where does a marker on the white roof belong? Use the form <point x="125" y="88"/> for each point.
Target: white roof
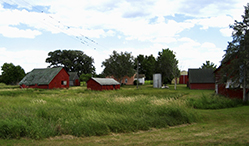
<point x="106" y="81"/>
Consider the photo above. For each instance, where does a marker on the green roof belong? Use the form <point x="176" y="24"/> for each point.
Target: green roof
<point x="201" y="76"/>
<point x="40" y="76"/>
<point x="106" y="81"/>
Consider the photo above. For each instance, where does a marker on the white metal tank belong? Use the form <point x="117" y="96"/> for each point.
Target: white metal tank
<point x="157" y="80"/>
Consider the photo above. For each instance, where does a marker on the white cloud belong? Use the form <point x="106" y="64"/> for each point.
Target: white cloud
<point x="27" y="59"/>
<point x="227" y="32"/>
<point x="164" y="40"/>
<point x="208" y="45"/>
<point x="93" y="18"/>
<point x="13" y="32"/>
<point x="219" y="21"/>
<point x="192" y="54"/>
<point x="126" y="20"/>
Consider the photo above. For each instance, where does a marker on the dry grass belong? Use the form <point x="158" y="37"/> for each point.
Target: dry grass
<point x="169" y="101"/>
<point x="124" y="99"/>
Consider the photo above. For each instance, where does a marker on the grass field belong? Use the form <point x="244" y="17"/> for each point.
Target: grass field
<point x="129" y="116"/>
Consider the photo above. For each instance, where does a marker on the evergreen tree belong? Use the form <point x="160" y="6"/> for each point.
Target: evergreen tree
<point x="208" y="64"/>
<point x="236" y="60"/>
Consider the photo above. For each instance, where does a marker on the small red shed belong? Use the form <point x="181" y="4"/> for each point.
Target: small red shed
<point x="74" y="79"/>
<point x="201" y="79"/>
<point x="102" y="84"/>
<point x="47" y="78"/>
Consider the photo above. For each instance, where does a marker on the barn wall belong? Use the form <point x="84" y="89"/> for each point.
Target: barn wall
<point x="222" y="90"/>
<point x="57" y="81"/>
<point x="77" y="82"/>
<point x="232" y="93"/>
<point x="183" y="79"/>
<point x="35" y="86"/>
<point x="91" y="84"/>
<point x="110" y="87"/>
<point x="210" y="86"/>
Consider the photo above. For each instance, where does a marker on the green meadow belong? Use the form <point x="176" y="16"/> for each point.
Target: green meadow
<point x="129" y="116"/>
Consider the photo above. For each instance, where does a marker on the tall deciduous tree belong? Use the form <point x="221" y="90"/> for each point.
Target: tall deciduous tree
<point x="167" y="65"/>
<point x="11" y="74"/>
<point x="146" y="65"/>
<point x="208" y="64"/>
<point x="72" y="61"/>
<point x="119" y="65"/>
<point x="236" y="60"/>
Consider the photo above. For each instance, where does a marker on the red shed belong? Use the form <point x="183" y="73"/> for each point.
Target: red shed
<point x="102" y="84"/>
<point x="183" y="79"/>
<point x="201" y="79"/>
<point x="47" y="78"/>
<point x="74" y="79"/>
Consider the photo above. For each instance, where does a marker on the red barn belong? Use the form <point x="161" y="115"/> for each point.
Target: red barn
<point x="102" y="84"/>
<point x="47" y="78"/>
<point x="201" y="79"/>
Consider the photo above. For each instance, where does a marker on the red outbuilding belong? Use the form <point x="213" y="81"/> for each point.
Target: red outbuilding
<point x="227" y="88"/>
<point x="46" y="78"/>
<point x="102" y="84"/>
<point x="201" y="79"/>
<point x="183" y="79"/>
<point x="74" y="79"/>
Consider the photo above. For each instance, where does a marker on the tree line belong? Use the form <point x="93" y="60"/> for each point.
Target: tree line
<point x="117" y="65"/>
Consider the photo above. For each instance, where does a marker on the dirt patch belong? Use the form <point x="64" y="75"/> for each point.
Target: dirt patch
<point x="63" y="137"/>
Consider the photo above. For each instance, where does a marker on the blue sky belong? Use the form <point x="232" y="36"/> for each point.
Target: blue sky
<point x="196" y="30"/>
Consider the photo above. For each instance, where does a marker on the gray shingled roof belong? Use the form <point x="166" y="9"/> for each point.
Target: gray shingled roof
<point x="201" y="76"/>
<point x="106" y="81"/>
<point x="40" y="76"/>
<point x="73" y="76"/>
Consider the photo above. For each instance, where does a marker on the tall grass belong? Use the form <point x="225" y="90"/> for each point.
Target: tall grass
<point x="37" y="113"/>
<point x="213" y="102"/>
<point x="4" y="86"/>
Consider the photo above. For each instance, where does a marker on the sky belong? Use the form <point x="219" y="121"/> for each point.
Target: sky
<point x="196" y="30"/>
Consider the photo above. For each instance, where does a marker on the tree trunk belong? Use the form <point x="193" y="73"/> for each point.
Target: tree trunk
<point x="245" y="98"/>
<point x="175" y="82"/>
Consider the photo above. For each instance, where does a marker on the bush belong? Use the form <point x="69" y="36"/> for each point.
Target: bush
<point x="148" y="82"/>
